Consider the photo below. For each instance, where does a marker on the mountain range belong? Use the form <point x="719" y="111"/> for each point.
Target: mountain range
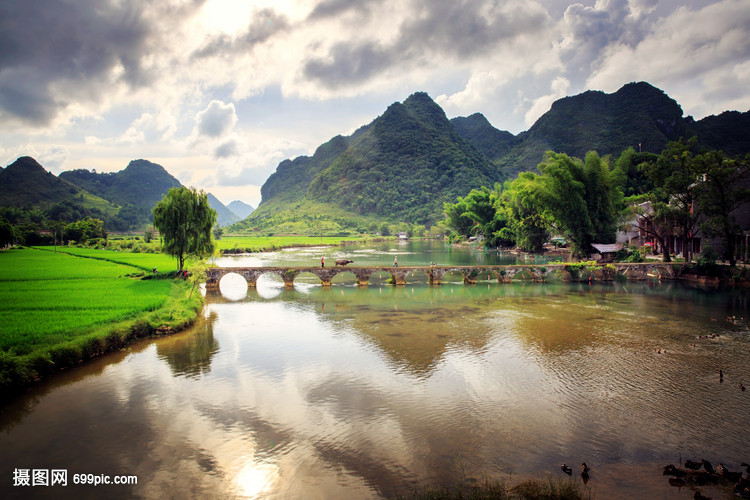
<point x="410" y="160"/>
<point x="123" y="199"/>
<point x="402" y="166"/>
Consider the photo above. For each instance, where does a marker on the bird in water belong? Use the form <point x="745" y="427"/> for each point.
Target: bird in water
<point x="742" y="387"/>
<point x="721" y="376"/>
<point x="707" y="465"/>
<point x="698" y="496"/>
<point x="585" y="469"/>
<point x="566" y="469"/>
<point x="689" y="464"/>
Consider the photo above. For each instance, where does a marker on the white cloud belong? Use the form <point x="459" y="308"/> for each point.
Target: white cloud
<point x="690" y="53"/>
<point x="204" y="82"/>
<point x="541" y="105"/>
<point x="216" y="120"/>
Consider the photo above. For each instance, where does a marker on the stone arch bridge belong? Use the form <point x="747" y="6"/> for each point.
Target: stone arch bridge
<point x="503" y="274"/>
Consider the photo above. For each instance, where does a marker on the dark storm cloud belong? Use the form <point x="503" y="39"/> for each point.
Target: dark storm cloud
<point x="263" y="25"/>
<point x="441" y="28"/>
<point x="52" y="51"/>
<point x="334" y="8"/>
<point x="216" y="120"/>
<point x="592" y="30"/>
<point x="226" y="150"/>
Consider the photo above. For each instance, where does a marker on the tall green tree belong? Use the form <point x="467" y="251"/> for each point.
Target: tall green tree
<point x="724" y="188"/>
<point x="7" y="233"/>
<point x="581" y="200"/>
<point x="184" y="219"/>
<point x="675" y="175"/>
<point x="527" y="226"/>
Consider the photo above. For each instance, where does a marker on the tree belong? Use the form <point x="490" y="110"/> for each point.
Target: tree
<point x="7" y="233"/>
<point x="580" y="200"/>
<point x="675" y="175"/>
<point x="527" y="226"/>
<point x="85" y="229"/>
<point x="725" y="187"/>
<point x="184" y="219"/>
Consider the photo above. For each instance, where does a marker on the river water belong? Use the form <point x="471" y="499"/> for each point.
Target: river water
<point x="370" y="392"/>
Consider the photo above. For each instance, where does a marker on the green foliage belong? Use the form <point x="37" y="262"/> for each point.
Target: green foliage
<point x="8" y="233"/>
<point x="581" y="200"/>
<point x="304" y="217"/>
<point x="674" y="174"/>
<point x="85" y="229"/>
<point x="722" y="191"/>
<point x="184" y="219"/>
<point x="527" y="225"/>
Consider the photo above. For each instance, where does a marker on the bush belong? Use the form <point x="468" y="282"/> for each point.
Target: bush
<point x="636" y="256"/>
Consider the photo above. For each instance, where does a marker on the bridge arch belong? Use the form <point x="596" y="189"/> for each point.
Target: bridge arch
<point x="233" y="286"/>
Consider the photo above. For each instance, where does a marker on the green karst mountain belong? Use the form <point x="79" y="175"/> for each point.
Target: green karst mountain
<point x="141" y="183"/>
<point x="25" y="184"/>
<point x="491" y="142"/>
<point x="400" y="167"/>
<point x="409" y="160"/>
<point x="136" y="189"/>
<point x="241" y="209"/>
<point x="638" y="116"/>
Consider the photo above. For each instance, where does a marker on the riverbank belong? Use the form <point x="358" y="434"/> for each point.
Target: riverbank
<point x="59" y="310"/>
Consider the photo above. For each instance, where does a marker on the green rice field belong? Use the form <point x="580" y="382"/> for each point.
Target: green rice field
<point x="264" y="243"/>
<point x="145" y="261"/>
<point x="56" y="301"/>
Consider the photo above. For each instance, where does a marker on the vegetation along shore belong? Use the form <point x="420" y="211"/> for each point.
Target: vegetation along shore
<point x="66" y="305"/>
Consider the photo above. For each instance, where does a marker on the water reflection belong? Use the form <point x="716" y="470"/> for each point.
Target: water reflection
<point x="362" y="392"/>
<point x="190" y="354"/>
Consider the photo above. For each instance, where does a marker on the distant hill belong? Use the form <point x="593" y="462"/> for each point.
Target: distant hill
<point x="638" y="115"/>
<point x="137" y="188"/>
<point x="729" y="131"/>
<point x="241" y="209"/>
<point x="28" y="185"/>
<point x="224" y="216"/>
<point x="491" y="142"/>
<point x="141" y="183"/>
<point x="25" y="182"/>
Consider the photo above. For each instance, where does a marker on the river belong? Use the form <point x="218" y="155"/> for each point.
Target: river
<point x="369" y="392"/>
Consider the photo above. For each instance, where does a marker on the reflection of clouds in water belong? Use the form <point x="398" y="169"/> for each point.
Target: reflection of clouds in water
<point x="269" y="285"/>
<point x="233" y="287"/>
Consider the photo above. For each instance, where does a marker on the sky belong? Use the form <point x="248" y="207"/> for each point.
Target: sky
<point x="219" y="92"/>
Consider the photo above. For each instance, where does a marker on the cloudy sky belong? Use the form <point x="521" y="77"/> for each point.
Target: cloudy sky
<point x="220" y="91"/>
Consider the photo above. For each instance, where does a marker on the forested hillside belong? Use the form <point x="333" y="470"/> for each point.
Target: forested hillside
<point x="402" y="166"/>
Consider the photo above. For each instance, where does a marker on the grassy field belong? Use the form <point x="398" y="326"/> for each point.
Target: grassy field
<point x="251" y="244"/>
<point x="144" y="261"/>
<point x="57" y="309"/>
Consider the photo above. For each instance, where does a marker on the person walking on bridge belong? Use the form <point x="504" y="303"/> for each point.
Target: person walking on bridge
<point x="395" y="261"/>
<point x="322" y="262"/>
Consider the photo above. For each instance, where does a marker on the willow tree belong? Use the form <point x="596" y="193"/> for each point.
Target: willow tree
<point x="184" y="219"/>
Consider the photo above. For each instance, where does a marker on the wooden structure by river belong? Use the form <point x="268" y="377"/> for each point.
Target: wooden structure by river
<point x="503" y="274"/>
